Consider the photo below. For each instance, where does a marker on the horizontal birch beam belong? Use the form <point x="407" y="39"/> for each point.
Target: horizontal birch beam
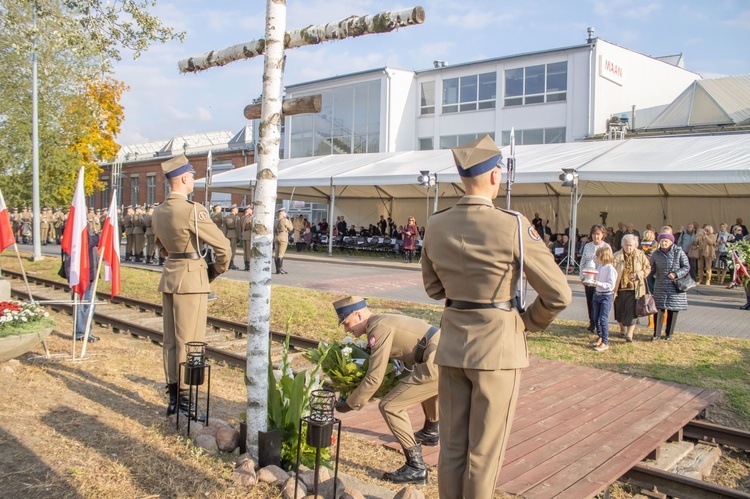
<point x="290" y="107"/>
<point x="353" y="26"/>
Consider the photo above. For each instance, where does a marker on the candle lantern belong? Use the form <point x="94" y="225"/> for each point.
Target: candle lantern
<point x="320" y="425"/>
<point x="589" y="272"/>
<point x="195" y="368"/>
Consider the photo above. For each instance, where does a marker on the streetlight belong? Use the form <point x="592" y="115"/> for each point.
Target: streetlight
<point x="569" y="178"/>
<point x="427" y="180"/>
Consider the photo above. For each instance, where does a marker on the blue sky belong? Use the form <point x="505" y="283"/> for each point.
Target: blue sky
<point x="714" y="37"/>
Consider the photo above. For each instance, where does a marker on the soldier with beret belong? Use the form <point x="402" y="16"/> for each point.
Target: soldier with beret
<point x="149" y="233"/>
<point x="231" y="232"/>
<point x="246" y="235"/>
<point x="127" y="222"/>
<point x="93" y="221"/>
<point x="181" y="227"/>
<point x="413" y="342"/>
<point x="44" y="225"/>
<point x="281" y="228"/>
<point x="218" y="218"/>
<point x="472" y="258"/>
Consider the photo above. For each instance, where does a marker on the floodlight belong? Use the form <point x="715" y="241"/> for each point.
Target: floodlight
<point x="569" y="177"/>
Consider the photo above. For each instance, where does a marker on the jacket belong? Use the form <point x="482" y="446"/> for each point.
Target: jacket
<point x="666" y="296"/>
<point x="641" y="269"/>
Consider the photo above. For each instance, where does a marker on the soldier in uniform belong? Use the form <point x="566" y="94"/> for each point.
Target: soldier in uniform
<point x="246" y="234"/>
<point x="15" y="219"/>
<point x="93" y="220"/>
<point x="231" y="232"/>
<point x="181" y="227"/>
<point x="127" y="222"/>
<point x="44" y="224"/>
<point x="58" y="221"/>
<point x="139" y="237"/>
<point x="413" y="342"/>
<point x="25" y="229"/>
<point x="218" y="218"/>
<point x="281" y="228"/>
<point x="472" y="256"/>
<point x="149" y="233"/>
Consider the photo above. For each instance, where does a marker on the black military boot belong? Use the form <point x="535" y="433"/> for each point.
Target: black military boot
<point x="148" y="260"/>
<point x="281" y="266"/>
<point x="172" y="406"/>
<point x="414" y="471"/>
<point x="161" y="262"/>
<point x="188" y="409"/>
<point x="428" y="435"/>
<point x="247" y="266"/>
<point x="277" y="262"/>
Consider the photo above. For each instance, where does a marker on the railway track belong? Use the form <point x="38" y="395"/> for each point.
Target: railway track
<point x="656" y="483"/>
<point x="225" y="351"/>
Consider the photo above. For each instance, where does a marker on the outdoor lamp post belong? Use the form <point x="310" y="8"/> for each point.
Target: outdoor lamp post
<point x="569" y="178"/>
<point x="320" y="424"/>
<point x="427" y="180"/>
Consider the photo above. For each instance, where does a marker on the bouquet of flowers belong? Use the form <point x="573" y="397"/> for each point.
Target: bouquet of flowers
<point x="19" y="318"/>
<point x="346" y="364"/>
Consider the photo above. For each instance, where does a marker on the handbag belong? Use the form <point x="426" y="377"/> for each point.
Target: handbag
<point x="694" y="252"/>
<point x="684" y="283"/>
<point x="645" y="306"/>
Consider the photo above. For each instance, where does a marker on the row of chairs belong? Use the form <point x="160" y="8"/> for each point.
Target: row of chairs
<point x="354" y="245"/>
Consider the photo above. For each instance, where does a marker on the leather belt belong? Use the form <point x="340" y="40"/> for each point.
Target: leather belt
<point x="185" y="256"/>
<point x="422" y="344"/>
<point x="470" y="305"/>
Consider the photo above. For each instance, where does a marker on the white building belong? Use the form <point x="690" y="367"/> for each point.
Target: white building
<point x="558" y="95"/>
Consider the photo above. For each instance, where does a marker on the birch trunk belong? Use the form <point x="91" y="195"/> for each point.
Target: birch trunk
<point x="384" y="22"/>
<point x="259" y="302"/>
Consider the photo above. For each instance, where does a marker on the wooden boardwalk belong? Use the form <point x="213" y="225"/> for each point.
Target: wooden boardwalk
<point x="576" y="429"/>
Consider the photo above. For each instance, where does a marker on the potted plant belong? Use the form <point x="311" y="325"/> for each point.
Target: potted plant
<point x="22" y="327"/>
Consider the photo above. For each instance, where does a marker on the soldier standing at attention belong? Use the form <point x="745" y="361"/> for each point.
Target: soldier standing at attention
<point x="218" y="218"/>
<point x="181" y="227"/>
<point x="44" y="225"/>
<point x="281" y="228"/>
<point x="93" y="221"/>
<point x="246" y="234"/>
<point x="149" y="232"/>
<point x="413" y="342"/>
<point x="139" y="237"/>
<point x="129" y="240"/>
<point x="472" y="256"/>
<point x="232" y="225"/>
<point x="15" y="219"/>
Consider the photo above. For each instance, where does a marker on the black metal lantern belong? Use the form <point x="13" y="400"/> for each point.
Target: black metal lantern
<point x="195" y="368"/>
<point x="320" y="424"/>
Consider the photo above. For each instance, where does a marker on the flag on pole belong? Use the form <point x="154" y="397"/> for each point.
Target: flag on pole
<point x="6" y="228"/>
<point x="109" y="247"/>
<point x="75" y="241"/>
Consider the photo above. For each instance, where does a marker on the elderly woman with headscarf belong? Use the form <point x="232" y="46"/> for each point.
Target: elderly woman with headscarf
<point x="633" y="268"/>
<point x="669" y="263"/>
<point x="588" y="255"/>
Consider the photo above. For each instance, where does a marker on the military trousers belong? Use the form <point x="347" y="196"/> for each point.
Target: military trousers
<point x="279" y="248"/>
<point x="129" y="244"/>
<point x="476" y="412"/>
<point x="247" y="249"/>
<point x="150" y="245"/>
<point x="139" y="241"/>
<point x="419" y="387"/>
<point x="184" y="320"/>
<point x="233" y="244"/>
<point x="44" y="233"/>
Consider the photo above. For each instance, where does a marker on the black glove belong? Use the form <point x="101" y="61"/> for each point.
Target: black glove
<point x="212" y="272"/>
<point x="342" y="406"/>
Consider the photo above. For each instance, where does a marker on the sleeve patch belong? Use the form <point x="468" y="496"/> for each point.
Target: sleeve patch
<point x="533" y="234"/>
<point x="202" y="216"/>
<point x="372" y="341"/>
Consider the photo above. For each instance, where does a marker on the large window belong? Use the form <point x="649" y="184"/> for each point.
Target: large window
<point x="426" y="144"/>
<point x="536" y="136"/>
<point x="134" y="190"/>
<point x="150" y="189"/>
<point x="451" y="141"/>
<point x="349" y="122"/>
<point x="105" y="194"/>
<point x="469" y="93"/>
<point x="427" y="103"/>
<point x="536" y="84"/>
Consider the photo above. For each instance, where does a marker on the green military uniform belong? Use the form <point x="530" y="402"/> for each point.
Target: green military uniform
<point x="232" y="232"/>
<point x="149" y="233"/>
<point x="218" y="218"/>
<point x="471" y="257"/>
<point x="93" y="221"/>
<point x="281" y="228"/>
<point x="246" y="235"/>
<point x="181" y="227"/>
<point x="127" y="222"/>
<point x="139" y="237"/>
<point x="45" y="221"/>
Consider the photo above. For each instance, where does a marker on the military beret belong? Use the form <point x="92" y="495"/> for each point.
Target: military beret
<point x="346" y="306"/>
<point x="233" y="207"/>
<point x="280" y="210"/>
<point x="477" y="157"/>
<point x="176" y="166"/>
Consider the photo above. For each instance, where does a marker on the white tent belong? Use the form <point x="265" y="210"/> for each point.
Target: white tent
<point x="655" y="180"/>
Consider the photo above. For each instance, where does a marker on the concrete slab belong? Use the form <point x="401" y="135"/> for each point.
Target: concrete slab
<point x="671" y="453"/>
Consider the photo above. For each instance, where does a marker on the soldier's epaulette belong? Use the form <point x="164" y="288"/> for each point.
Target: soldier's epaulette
<point x="509" y="212"/>
<point x="443" y="210"/>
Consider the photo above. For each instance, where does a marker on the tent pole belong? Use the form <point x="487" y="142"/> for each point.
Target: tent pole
<point x="330" y="217"/>
<point x="435" y="207"/>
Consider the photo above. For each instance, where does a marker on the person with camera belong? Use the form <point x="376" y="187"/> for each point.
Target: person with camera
<point x="181" y="227"/>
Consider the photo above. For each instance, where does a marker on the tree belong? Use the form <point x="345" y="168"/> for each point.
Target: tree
<point x="79" y="111"/>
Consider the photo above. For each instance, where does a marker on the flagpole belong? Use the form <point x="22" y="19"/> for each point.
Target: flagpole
<point x="90" y="315"/>
<point x="23" y="272"/>
<point x="75" y="318"/>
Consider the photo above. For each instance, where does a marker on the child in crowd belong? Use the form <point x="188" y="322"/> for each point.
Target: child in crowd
<point x="604" y="296"/>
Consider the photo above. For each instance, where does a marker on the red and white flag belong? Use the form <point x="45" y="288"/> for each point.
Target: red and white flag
<point x="75" y="241"/>
<point x="6" y="228"/>
<point x="109" y="247"/>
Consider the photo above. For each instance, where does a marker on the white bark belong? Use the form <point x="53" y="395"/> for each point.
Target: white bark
<point x="259" y="302"/>
<point x="312" y="35"/>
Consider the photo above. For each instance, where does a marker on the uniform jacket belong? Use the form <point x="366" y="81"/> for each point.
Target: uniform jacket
<point x="641" y="268"/>
<point x="281" y="228"/>
<point x="218" y="219"/>
<point x="127" y="222"/>
<point x="675" y="260"/>
<point x="94" y="223"/>
<point x="174" y="225"/>
<point x="246" y="228"/>
<point x="137" y="224"/>
<point x="231" y="223"/>
<point x="389" y="337"/>
<point x="146" y="221"/>
<point x="470" y="252"/>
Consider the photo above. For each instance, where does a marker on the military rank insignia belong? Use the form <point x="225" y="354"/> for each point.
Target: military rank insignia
<point x="202" y="216"/>
<point x="533" y="234"/>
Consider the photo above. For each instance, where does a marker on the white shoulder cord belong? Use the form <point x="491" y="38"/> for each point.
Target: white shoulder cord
<point x="520" y="290"/>
<point x="203" y="252"/>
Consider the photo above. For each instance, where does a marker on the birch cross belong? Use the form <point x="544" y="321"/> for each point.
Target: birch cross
<point x="272" y="46"/>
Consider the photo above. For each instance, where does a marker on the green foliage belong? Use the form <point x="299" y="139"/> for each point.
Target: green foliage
<point x="288" y="402"/>
<point x="346" y="366"/>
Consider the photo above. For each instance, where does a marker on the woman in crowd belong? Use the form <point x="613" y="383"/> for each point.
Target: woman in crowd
<point x="633" y="268"/>
<point x="669" y="263"/>
<point x="722" y="238"/>
<point x="648" y="242"/>
<point x="707" y="254"/>
<point x="587" y="256"/>
<point x="410" y="232"/>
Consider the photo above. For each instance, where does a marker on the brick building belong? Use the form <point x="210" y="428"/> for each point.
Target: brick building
<point x="139" y="170"/>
